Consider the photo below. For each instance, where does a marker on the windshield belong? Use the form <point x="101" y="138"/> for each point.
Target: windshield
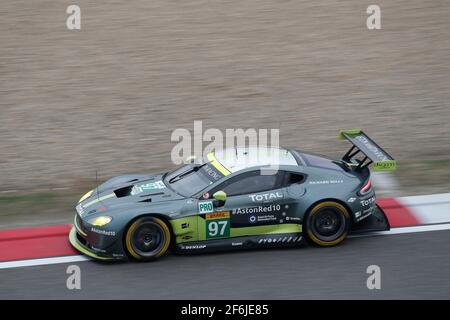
<point x="190" y="179"/>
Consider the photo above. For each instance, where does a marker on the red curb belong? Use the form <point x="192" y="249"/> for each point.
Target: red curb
<point x="397" y="214"/>
<point x="37" y="232"/>
<point x="32" y="243"/>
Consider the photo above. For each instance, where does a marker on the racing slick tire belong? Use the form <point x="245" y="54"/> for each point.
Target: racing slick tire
<point x="147" y="239"/>
<point x="327" y="224"/>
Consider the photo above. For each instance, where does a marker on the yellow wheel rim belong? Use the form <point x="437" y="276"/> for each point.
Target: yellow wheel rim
<point x="133" y="227"/>
<point x="314" y="211"/>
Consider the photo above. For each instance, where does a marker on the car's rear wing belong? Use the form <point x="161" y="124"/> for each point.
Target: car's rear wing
<point x="373" y="153"/>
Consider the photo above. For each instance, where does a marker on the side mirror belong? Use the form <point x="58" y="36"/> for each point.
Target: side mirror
<point x="219" y="198"/>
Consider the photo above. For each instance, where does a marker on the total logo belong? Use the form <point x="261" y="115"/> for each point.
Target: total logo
<point x="266" y="196"/>
<point x="367" y="202"/>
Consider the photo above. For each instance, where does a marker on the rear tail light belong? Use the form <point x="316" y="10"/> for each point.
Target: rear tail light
<point x="366" y="188"/>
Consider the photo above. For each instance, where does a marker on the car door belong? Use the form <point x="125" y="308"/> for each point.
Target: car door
<point x="294" y="189"/>
<point x="255" y="205"/>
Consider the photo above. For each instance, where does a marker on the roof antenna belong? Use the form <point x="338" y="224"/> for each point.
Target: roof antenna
<point x="96" y="183"/>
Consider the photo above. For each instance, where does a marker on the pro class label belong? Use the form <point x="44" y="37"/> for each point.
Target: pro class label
<point x="205" y="207"/>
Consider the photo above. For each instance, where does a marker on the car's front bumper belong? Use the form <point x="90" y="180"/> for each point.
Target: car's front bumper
<point x="88" y="241"/>
<point x="77" y="244"/>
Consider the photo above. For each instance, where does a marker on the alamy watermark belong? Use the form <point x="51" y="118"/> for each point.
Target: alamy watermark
<point x="373" y="21"/>
<point x="374" y="280"/>
<point x="73" y="282"/>
<point x="73" y="21"/>
<point x="242" y="146"/>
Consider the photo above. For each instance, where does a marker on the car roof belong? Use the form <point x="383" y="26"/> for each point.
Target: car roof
<point x="237" y="159"/>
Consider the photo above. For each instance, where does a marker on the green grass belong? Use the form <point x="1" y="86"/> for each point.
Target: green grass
<point x="438" y="163"/>
<point x="36" y="198"/>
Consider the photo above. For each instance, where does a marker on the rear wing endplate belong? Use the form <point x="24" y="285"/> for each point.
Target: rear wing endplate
<point x="373" y="153"/>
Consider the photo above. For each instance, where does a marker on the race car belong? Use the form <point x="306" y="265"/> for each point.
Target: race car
<point x="232" y="199"/>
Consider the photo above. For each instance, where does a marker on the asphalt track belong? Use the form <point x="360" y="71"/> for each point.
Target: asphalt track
<point x="413" y="266"/>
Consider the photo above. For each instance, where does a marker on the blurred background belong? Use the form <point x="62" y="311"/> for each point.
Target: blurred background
<point x="107" y="97"/>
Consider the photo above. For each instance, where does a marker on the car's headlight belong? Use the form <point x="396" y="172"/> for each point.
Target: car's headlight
<point x="100" y="221"/>
<point x="87" y="195"/>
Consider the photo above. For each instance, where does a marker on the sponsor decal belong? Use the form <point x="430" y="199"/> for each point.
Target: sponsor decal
<point x="326" y="182"/>
<point x="147" y="187"/>
<point x="236" y="244"/>
<point x="104" y="232"/>
<point x="367" y="202"/>
<point x="351" y="200"/>
<point x="388" y="165"/>
<point x="377" y="152"/>
<point x="217" y="225"/>
<point x="193" y="247"/>
<point x="259" y="209"/>
<point x="368" y="210"/>
<point x="217" y="215"/>
<point x="98" y="249"/>
<point x="266" y="218"/>
<point x="266" y="196"/>
<point x="205" y="207"/>
<point x="280" y="239"/>
<point x="364" y="214"/>
<point x="185" y="225"/>
<point x="212" y="172"/>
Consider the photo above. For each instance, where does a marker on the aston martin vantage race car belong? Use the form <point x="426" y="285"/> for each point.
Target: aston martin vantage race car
<point x="227" y="200"/>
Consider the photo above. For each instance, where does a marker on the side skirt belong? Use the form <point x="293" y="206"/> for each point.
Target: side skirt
<point x="241" y="243"/>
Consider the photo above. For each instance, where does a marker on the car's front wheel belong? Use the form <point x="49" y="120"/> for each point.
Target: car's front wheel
<point x="147" y="238"/>
<point x="327" y="224"/>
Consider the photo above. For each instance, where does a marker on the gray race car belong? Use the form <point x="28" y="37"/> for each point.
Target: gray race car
<point x="232" y="200"/>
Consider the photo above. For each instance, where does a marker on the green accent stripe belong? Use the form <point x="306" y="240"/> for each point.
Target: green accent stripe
<point x="349" y="132"/>
<point x="99" y="199"/>
<point x="212" y="158"/>
<point x="190" y="231"/>
<point x="266" y="229"/>
<point x="195" y="229"/>
<point x="386" y="165"/>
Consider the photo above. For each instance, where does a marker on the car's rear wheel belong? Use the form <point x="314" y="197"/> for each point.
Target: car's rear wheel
<point x="327" y="224"/>
<point x="147" y="238"/>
